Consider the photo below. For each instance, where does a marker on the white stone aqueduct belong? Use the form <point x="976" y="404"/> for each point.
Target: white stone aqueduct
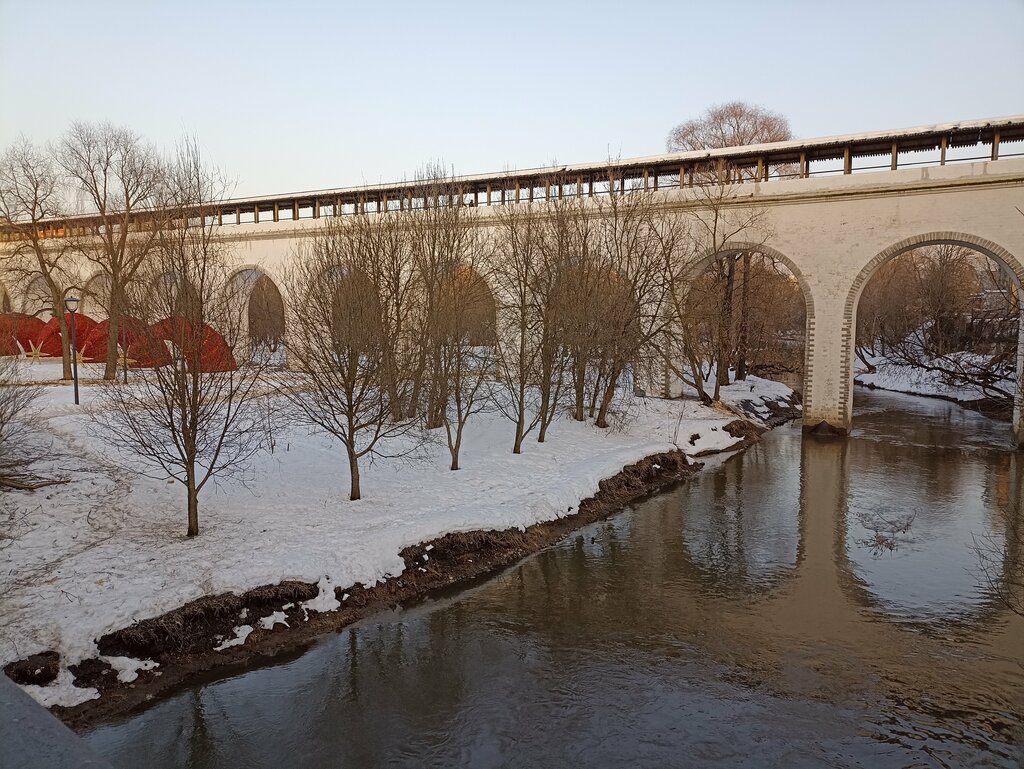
<point x="832" y="231"/>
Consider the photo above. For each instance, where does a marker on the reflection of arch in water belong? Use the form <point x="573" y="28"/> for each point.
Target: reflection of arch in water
<point x="1009" y="263"/>
<point x="829" y="579"/>
<point x="733" y="538"/>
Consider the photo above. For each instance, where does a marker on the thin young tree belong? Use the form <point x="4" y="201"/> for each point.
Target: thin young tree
<point x="121" y="181"/>
<point x="516" y="267"/>
<point x="718" y="231"/>
<point x="733" y="124"/>
<point x="199" y="416"/>
<point x="337" y="345"/>
<point x="457" y="326"/>
<point x="32" y="206"/>
<point x="17" y="432"/>
<point x="637" y="242"/>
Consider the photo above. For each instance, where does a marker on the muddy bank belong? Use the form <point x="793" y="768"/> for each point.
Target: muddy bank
<point x="182" y="641"/>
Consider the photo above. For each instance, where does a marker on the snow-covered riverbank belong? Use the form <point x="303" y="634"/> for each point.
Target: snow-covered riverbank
<point x="914" y="380"/>
<point x="108" y="549"/>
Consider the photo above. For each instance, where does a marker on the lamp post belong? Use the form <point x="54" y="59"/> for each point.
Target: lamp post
<point x="71" y="302"/>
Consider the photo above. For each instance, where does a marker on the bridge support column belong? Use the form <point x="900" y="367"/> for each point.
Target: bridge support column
<point x="827" y="379"/>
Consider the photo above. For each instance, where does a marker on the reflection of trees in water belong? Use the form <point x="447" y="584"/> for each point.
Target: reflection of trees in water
<point x="1000" y="551"/>
<point x="742" y="530"/>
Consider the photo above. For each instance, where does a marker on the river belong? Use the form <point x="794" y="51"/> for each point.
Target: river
<point x="802" y="603"/>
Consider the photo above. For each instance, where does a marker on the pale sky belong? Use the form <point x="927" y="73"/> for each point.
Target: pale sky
<point x="291" y="96"/>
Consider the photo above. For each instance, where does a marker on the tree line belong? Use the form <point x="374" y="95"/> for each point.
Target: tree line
<point x="399" y="324"/>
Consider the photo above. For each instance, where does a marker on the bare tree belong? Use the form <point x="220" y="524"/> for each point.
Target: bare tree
<point x="338" y="342"/>
<point x="32" y="207"/>
<point x="517" y="267"/>
<point x="638" y="244"/>
<point x="719" y="231"/>
<point x="733" y="124"/>
<point x="18" y="443"/>
<point x="199" y="416"/>
<point x="121" y="181"/>
<point x="456" y="326"/>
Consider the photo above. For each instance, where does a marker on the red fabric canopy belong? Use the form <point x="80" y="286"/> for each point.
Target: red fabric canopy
<point x="196" y="340"/>
<point x="48" y="339"/>
<point x="144" y="350"/>
<point x="17" y="328"/>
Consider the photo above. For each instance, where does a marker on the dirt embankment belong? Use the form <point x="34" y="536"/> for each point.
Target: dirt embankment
<point x="182" y="641"/>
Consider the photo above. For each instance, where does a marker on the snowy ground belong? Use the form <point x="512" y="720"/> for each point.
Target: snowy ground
<point x="918" y="381"/>
<point x="108" y="548"/>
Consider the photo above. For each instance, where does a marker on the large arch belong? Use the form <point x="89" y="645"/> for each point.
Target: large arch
<point x="1003" y="257"/>
<point x="736" y="247"/>
<point x="95" y="296"/>
<point x="37" y="300"/>
<point x="260" y="304"/>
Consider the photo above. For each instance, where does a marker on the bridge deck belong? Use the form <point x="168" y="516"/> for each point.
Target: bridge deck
<point x="925" y="145"/>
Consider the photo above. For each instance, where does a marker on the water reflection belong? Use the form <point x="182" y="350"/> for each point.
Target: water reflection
<point x="738" y="618"/>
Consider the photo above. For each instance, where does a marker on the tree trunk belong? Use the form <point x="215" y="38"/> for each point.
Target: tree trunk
<point x="353" y="468"/>
<point x="456" y="448"/>
<point x="517" y="446"/>
<point x="110" y="365"/>
<point x="725" y="331"/>
<point x="193" y="505"/>
<point x="741" y="343"/>
<point x="580" y="383"/>
<point x="606" y="401"/>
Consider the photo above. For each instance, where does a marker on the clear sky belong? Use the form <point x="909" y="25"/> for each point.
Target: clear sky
<point x="290" y="96"/>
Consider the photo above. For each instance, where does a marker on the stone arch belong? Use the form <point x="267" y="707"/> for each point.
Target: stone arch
<point x="261" y="304"/>
<point x="805" y="289"/>
<point x="479" y="307"/>
<point x="95" y="296"/>
<point x="37" y="300"/>
<point x="1009" y="263"/>
<point x="171" y="294"/>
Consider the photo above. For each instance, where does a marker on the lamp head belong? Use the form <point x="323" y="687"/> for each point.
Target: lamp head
<point x="71" y="302"/>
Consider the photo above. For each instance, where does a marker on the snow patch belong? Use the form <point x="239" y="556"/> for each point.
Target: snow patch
<point x="241" y="633"/>
<point x="325" y="600"/>
<point x="61" y="691"/>
<point x="278" y="617"/>
<point x="128" y="668"/>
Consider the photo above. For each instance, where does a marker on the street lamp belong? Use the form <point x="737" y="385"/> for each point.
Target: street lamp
<point x="71" y="302"/>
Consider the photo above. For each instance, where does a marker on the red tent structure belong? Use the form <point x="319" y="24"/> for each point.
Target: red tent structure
<point x="196" y="340"/>
<point x="17" y="328"/>
<point x="48" y="340"/>
<point x="144" y="350"/>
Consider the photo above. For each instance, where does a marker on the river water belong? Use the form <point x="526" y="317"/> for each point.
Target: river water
<point x="803" y="603"/>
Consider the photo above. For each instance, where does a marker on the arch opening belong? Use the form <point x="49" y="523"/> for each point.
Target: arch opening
<point x="938" y="315"/>
<point x="744" y="312"/>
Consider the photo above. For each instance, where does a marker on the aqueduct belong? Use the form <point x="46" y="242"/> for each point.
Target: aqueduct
<point x="835" y="209"/>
